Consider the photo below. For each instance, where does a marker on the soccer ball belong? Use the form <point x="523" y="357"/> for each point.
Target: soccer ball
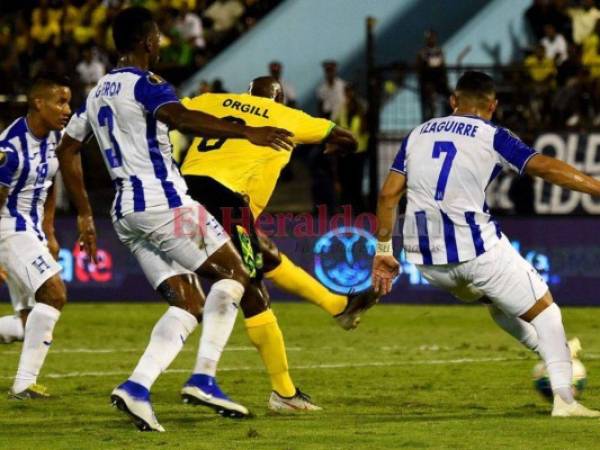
<point x="541" y="381"/>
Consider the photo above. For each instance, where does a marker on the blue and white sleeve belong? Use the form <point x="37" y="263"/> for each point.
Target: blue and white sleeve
<point x="512" y="151"/>
<point x="399" y="164"/>
<point x="9" y="163"/>
<point x="79" y="127"/>
<point x="153" y="92"/>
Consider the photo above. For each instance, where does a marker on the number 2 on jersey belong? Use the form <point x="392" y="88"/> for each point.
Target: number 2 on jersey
<point x="440" y="147"/>
<point x="205" y="146"/>
<point x="113" y="154"/>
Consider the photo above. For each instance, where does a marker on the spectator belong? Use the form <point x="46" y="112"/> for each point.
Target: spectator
<point x="541" y="70"/>
<point x="45" y="25"/>
<point x="559" y="17"/>
<point x="217" y="87"/>
<point x="433" y="79"/>
<point x="537" y="16"/>
<point x="540" y="67"/>
<point x="224" y="15"/>
<point x="90" y="69"/>
<point x="351" y="168"/>
<point x="330" y="93"/>
<point x="189" y="26"/>
<point x="584" y="19"/>
<point x="555" y="44"/>
<point x="572" y="98"/>
<point x="276" y="69"/>
<point x="92" y="16"/>
<point x="203" y="87"/>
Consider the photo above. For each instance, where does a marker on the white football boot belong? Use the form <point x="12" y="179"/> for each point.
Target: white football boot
<point x="575" y="409"/>
<point x="299" y="402"/>
<point x="134" y="400"/>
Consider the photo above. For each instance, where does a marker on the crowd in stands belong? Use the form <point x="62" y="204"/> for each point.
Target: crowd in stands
<point x="563" y="67"/>
<point x="73" y="37"/>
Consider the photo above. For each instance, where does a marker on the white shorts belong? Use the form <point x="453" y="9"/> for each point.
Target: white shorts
<point x="500" y="274"/>
<point x="19" y="298"/>
<point x="170" y="243"/>
<point x="28" y="262"/>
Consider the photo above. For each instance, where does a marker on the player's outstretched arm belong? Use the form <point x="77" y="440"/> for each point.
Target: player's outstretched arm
<point x="385" y="266"/>
<point x="48" y="222"/>
<point x="177" y="116"/>
<point x="562" y="174"/>
<point x="340" y="140"/>
<point x="69" y="158"/>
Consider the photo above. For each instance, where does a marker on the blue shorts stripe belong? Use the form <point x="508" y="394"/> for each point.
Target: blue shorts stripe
<point x="421" y="218"/>
<point x="475" y="232"/>
<point x="160" y="169"/>
<point x="450" y="239"/>
<point x="139" y="202"/>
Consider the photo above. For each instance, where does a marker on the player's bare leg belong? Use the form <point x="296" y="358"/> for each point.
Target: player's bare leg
<point x="264" y="332"/>
<point x="546" y="319"/>
<point x="220" y="312"/>
<point x="51" y="298"/>
<point x="166" y="341"/>
<point x="347" y="309"/>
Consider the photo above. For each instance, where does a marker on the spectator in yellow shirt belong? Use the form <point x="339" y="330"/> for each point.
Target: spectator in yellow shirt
<point x="540" y="68"/>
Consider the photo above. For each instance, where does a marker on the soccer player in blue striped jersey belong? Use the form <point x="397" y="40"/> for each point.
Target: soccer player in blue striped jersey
<point x="444" y="166"/>
<point x="28" y="164"/>
<point x="173" y="237"/>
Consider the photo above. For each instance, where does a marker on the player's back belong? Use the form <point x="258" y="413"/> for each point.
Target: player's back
<point x="449" y="162"/>
<point x="134" y="144"/>
<point x="237" y="163"/>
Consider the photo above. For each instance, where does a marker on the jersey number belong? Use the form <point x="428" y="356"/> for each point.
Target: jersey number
<point x="207" y="145"/>
<point x="440" y="147"/>
<point x="113" y="154"/>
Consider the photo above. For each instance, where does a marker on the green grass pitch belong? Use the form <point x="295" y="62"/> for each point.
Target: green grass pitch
<point x="408" y="377"/>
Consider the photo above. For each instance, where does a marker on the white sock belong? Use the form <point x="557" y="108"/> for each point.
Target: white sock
<point x="166" y="341"/>
<point x="218" y="319"/>
<point x="524" y="332"/>
<point x="11" y="329"/>
<point x="38" y="337"/>
<point x="553" y="348"/>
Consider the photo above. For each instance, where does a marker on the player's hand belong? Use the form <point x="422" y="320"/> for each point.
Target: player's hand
<point x="385" y="269"/>
<point x="87" y="236"/>
<point x="53" y="245"/>
<point x="276" y="138"/>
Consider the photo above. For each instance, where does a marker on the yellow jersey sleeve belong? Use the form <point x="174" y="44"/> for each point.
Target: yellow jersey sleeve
<point x="306" y="129"/>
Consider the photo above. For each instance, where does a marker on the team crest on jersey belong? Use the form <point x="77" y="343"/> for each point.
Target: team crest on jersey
<point x="155" y="79"/>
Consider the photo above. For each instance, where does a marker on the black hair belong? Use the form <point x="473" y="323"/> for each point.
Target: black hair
<point x="476" y="84"/>
<point x="130" y="27"/>
<point x="46" y="79"/>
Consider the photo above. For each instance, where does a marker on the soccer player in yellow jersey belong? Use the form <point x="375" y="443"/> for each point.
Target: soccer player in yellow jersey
<point x="233" y="177"/>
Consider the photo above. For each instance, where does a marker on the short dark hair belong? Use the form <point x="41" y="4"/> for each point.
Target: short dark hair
<point x="130" y="27"/>
<point x="476" y="84"/>
<point x="43" y="81"/>
<point x="46" y="79"/>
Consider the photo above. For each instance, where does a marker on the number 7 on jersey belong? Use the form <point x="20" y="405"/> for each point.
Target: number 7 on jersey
<point x="440" y="147"/>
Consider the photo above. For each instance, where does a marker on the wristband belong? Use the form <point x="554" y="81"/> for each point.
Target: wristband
<point x="384" y="248"/>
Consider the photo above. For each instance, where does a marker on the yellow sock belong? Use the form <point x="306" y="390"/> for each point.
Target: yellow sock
<point x="266" y="336"/>
<point x="295" y="280"/>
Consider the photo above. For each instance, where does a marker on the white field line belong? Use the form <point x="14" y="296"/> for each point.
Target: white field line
<point x="424" y="362"/>
<point x="135" y="350"/>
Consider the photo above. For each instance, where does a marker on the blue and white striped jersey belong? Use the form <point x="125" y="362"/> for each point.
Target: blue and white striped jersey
<point x="27" y="167"/>
<point x="448" y="163"/>
<point x="120" y="111"/>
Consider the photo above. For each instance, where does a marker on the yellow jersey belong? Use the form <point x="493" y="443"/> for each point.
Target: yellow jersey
<point x="238" y="164"/>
